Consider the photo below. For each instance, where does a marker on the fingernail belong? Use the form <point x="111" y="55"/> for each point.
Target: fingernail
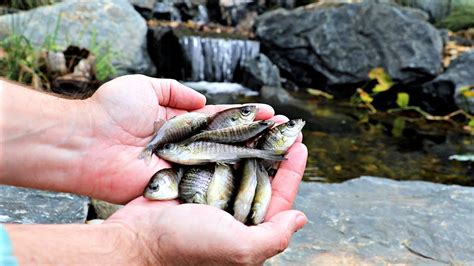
<point x="300" y="221"/>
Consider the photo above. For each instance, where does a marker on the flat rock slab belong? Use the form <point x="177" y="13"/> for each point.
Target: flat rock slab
<point x="378" y="221"/>
<point x="31" y="206"/>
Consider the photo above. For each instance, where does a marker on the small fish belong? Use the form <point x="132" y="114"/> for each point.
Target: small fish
<point x="163" y="185"/>
<point x="194" y="184"/>
<point x="281" y="137"/>
<point x="246" y="192"/>
<point x="233" y="134"/>
<point x="176" y="129"/>
<point x="233" y="116"/>
<point x="201" y="152"/>
<point x="221" y="187"/>
<point x="263" y="195"/>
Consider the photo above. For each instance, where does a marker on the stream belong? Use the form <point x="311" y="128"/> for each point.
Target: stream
<point x="345" y="143"/>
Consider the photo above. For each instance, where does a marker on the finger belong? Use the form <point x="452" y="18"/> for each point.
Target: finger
<point x="272" y="237"/>
<point x="265" y="111"/>
<point x="141" y="201"/>
<point x="279" y="119"/>
<point x="173" y="94"/>
<point x="287" y="179"/>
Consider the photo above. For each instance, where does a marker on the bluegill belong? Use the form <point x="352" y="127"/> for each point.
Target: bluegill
<point x="246" y="192"/>
<point x="233" y="116"/>
<point x="176" y="129"/>
<point x="163" y="185"/>
<point x="281" y="137"/>
<point x="194" y="184"/>
<point x="201" y="152"/>
<point x="221" y="187"/>
<point x="233" y="134"/>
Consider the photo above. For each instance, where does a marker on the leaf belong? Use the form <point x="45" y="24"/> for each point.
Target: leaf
<point x="468" y="94"/>
<point x="364" y="96"/>
<point x="398" y="127"/>
<point x="316" y="92"/>
<point x="471" y="123"/>
<point x="383" y="79"/>
<point x="402" y="99"/>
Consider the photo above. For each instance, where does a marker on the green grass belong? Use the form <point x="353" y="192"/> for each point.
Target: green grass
<point x="460" y="18"/>
<point x="29" y="4"/>
<point x="24" y="63"/>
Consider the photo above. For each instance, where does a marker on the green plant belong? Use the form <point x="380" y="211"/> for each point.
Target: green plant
<point x="104" y="54"/>
<point x="460" y="18"/>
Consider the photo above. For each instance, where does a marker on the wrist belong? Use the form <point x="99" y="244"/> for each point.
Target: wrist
<point x="74" y="244"/>
<point x="48" y="133"/>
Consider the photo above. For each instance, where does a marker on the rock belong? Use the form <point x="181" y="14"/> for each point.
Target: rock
<point x="114" y="23"/>
<point x="376" y="221"/>
<point x="260" y="71"/>
<point x="31" y="206"/>
<point x="439" y="92"/>
<point x="195" y="58"/>
<point x="103" y="209"/>
<point x="340" y="44"/>
<point x="145" y="4"/>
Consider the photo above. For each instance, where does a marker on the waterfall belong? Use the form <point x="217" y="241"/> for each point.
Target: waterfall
<point x="215" y="59"/>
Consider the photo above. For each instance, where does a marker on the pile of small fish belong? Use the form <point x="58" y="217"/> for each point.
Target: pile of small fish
<point x="209" y="150"/>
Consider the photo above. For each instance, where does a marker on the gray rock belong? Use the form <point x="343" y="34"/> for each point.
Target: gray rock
<point x="380" y="221"/>
<point x="340" y="44"/>
<point x="104" y="209"/>
<point x="145" y="4"/>
<point x="439" y="92"/>
<point x="31" y="206"/>
<point x="260" y="71"/>
<point x="115" y="22"/>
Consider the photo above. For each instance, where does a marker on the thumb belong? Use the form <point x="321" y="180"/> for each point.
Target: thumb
<point x="273" y="236"/>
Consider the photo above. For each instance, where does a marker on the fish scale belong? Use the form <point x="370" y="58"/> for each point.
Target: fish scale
<point x="194" y="184"/>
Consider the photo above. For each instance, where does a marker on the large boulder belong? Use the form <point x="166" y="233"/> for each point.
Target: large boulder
<point x="114" y="23"/>
<point x="340" y="44"/>
<point x="259" y="71"/>
<point x="456" y="80"/>
<point x="376" y="221"/>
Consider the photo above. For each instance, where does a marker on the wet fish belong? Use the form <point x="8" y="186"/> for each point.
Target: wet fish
<point x="176" y="129"/>
<point x="221" y="187"/>
<point x="246" y="192"/>
<point x="233" y="116"/>
<point x="163" y="185"/>
<point x="281" y="137"/>
<point x="263" y="195"/>
<point x="194" y="184"/>
<point x="201" y="152"/>
<point x="233" y="134"/>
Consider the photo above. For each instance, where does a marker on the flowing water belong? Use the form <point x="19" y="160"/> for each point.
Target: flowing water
<point x="344" y="142"/>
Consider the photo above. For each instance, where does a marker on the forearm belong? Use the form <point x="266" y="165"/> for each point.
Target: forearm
<point x="70" y="244"/>
<point x="41" y="138"/>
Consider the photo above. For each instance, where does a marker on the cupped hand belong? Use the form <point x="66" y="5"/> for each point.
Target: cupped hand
<point x="173" y="234"/>
<point x="120" y="118"/>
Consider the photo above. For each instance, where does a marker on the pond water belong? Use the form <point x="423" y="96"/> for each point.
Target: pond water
<point x="344" y="142"/>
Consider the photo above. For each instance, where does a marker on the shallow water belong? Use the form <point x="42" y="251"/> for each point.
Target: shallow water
<point x="344" y="142"/>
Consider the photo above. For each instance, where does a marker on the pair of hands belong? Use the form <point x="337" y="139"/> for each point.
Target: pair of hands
<point x="121" y="115"/>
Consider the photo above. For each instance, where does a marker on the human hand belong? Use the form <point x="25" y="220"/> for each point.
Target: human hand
<point x="120" y="118"/>
<point x="173" y="234"/>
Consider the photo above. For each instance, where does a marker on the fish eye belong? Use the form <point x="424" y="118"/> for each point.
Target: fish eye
<point x="167" y="146"/>
<point x="291" y="123"/>
<point x="154" y="186"/>
<point x="245" y="111"/>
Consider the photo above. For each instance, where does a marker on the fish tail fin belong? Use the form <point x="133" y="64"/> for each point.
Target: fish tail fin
<point x="146" y="154"/>
<point x="271" y="155"/>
